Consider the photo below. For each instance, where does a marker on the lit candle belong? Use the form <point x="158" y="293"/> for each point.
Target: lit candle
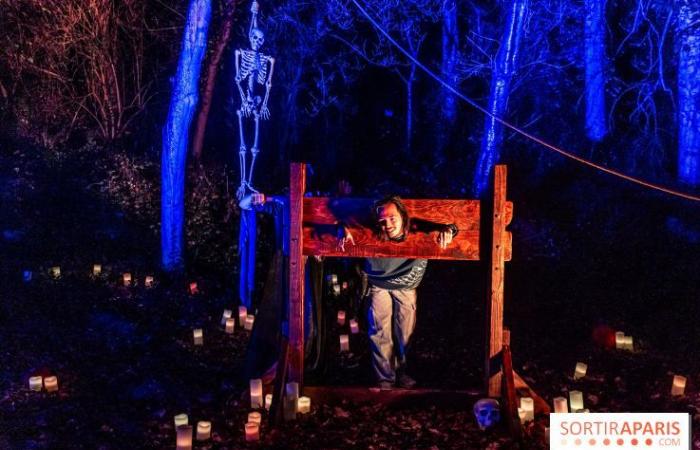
<point x="35" y="383"/>
<point x="354" y="327"/>
<point x="51" y="384"/>
<point x="344" y="343"/>
<point x="249" y="320"/>
<point x="227" y="315"/>
<point x="256" y="393"/>
<point x="678" y="387"/>
<point x="203" y="430"/>
<point x="181" y="419"/>
<point x="252" y="432"/>
<point x="55" y="272"/>
<point x="332" y="278"/>
<point x="242" y="315"/>
<point x="198" y="336"/>
<point x="560" y="405"/>
<point x="628" y="343"/>
<point x="345" y="285"/>
<point x="96" y="270"/>
<point x="528" y="405"/>
<point x="149" y="281"/>
<point x="254" y="417"/>
<point x="304" y="405"/>
<point x="184" y="437"/>
<point x="127" y="279"/>
<point x="27" y="276"/>
<point x="341" y="317"/>
<point x="336" y="289"/>
<point x="230" y="325"/>
<point x="522" y="414"/>
<point x="580" y="370"/>
<point x="576" y="400"/>
<point x="193" y="288"/>
<point x="268" y="401"/>
<point x="619" y="340"/>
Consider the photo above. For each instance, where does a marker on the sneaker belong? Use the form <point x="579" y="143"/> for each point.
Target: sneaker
<point x="405" y="381"/>
<point x="385" y="385"/>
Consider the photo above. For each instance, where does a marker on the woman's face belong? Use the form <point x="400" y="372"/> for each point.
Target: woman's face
<point x="390" y="220"/>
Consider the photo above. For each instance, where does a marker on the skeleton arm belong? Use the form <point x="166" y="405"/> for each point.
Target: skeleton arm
<point x="264" y="112"/>
<point x="239" y="79"/>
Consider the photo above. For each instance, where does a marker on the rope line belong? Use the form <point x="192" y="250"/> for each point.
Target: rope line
<point x="516" y="128"/>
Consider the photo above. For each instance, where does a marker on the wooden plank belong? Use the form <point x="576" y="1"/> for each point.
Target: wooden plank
<point x="510" y="400"/>
<point x="322" y="214"/>
<point x="391" y="397"/>
<point x="297" y="186"/>
<point x="496" y="279"/>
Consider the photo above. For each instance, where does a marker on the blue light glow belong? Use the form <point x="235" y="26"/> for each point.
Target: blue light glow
<point x="596" y="128"/>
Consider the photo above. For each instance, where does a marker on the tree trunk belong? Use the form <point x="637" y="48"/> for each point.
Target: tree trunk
<point x="596" y="128"/>
<point x="689" y="92"/>
<point x="175" y="134"/>
<point x="409" y="107"/>
<point x="210" y="78"/>
<point x="503" y="70"/>
<point x="450" y="43"/>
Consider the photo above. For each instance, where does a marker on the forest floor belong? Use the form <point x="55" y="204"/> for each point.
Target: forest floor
<point x="590" y="257"/>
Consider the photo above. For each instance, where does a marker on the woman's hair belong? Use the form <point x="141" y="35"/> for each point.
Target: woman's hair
<point x="403" y="212"/>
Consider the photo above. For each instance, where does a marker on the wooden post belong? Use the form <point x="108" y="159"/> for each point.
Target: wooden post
<point x="496" y="276"/>
<point x="297" y="186"/>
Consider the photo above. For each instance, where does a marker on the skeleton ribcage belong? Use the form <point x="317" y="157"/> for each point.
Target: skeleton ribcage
<point x="254" y="63"/>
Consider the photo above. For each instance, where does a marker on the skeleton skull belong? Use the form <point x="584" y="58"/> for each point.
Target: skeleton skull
<point x="257" y="39"/>
<point x="487" y="412"/>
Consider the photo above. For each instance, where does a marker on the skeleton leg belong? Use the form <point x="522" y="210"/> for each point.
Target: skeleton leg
<point x="254" y="149"/>
<point x="241" y="156"/>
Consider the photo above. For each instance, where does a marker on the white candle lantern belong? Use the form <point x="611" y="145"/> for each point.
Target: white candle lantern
<point x="560" y="405"/>
<point x="344" y="343"/>
<point x="249" y="320"/>
<point x="336" y="290"/>
<point x="580" y="370"/>
<point x="226" y="315"/>
<point x="198" y="336"/>
<point x="203" y="430"/>
<point x="252" y="432"/>
<point x="149" y="281"/>
<point x="184" y="437"/>
<point x="628" y="343"/>
<point x="522" y="415"/>
<point x="268" y="401"/>
<point x="354" y="327"/>
<point x="304" y="405"/>
<point x="341" y="317"/>
<point x="242" y="315"/>
<point x="193" y="288"/>
<point x="126" y="278"/>
<point x="230" y="325"/>
<point x="256" y="393"/>
<point x="527" y="404"/>
<point x="55" y="272"/>
<point x="255" y="417"/>
<point x="678" y="387"/>
<point x="51" y="384"/>
<point x="576" y="400"/>
<point x="181" y="419"/>
<point x="36" y="383"/>
<point x="96" y="270"/>
<point x="619" y="340"/>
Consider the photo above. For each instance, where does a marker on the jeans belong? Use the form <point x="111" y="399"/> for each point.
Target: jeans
<point x="392" y="316"/>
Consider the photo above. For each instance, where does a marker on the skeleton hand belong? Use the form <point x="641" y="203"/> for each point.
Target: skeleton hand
<point x="445" y="236"/>
<point x="344" y="236"/>
<point x="264" y="112"/>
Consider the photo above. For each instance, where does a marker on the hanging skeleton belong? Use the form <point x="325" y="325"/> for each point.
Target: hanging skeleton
<point x="253" y="70"/>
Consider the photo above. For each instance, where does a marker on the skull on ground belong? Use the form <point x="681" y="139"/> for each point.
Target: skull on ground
<point x="487" y="412"/>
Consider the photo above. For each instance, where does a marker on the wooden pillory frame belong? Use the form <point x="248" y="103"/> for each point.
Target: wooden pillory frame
<point x="313" y="226"/>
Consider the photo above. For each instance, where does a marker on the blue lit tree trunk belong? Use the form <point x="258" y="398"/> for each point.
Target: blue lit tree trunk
<point x="410" y="80"/>
<point x="450" y="42"/>
<point x="689" y="92"/>
<point x="596" y="128"/>
<point x="175" y="134"/>
<point x="503" y="70"/>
